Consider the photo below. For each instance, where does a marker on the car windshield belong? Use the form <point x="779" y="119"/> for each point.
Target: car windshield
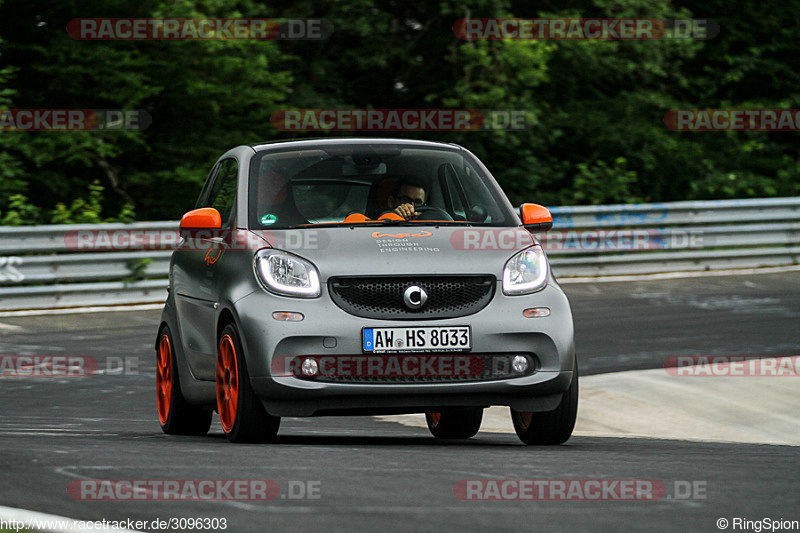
<point x="361" y="183"/>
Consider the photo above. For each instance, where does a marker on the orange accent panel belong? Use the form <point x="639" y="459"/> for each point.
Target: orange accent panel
<point x="391" y="216"/>
<point x="355" y="218"/>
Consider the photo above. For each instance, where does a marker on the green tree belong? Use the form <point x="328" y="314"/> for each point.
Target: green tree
<point x="203" y="96"/>
<point x="11" y="168"/>
<point x="595" y="108"/>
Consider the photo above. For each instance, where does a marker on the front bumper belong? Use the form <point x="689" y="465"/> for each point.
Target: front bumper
<point x="328" y="330"/>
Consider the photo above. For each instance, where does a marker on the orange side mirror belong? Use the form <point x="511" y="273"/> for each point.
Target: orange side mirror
<point x="535" y="217"/>
<point x="203" y="218"/>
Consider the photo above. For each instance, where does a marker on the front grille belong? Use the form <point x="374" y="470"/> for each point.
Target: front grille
<point x="382" y="297"/>
<point x="482" y="367"/>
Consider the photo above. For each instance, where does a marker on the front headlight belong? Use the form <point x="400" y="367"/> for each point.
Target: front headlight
<point x="526" y="272"/>
<point x="287" y="274"/>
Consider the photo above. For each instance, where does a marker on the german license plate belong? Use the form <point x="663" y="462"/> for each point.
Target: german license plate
<point x="417" y="339"/>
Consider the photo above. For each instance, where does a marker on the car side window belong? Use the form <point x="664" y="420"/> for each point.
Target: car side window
<point x="223" y="190"/>
<point x="206" y="186"/>
<point x="478" y="194"/>
<point x="455" y="198"/>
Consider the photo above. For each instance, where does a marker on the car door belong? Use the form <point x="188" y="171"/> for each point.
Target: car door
<point x="193" y="273"/>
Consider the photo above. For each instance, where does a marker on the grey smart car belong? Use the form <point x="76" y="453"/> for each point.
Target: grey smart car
<point x="362" y="277"/>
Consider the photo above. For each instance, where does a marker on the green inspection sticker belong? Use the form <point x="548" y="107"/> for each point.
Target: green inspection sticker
<point x="269" y="219"/>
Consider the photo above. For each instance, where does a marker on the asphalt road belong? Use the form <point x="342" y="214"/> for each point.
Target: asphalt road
<point x="376" y="475"/>
<point x="637" y="325"/>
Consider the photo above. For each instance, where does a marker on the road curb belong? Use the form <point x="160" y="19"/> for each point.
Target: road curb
<point x="659" y="404"/>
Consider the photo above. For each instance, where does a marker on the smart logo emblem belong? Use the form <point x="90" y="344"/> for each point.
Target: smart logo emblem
<point x="415" y="297"/>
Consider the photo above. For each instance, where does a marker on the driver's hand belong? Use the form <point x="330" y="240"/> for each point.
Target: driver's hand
<point x="406" y="211"/>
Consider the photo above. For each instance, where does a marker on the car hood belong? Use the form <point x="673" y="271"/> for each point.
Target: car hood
<point x="398" y="250"/>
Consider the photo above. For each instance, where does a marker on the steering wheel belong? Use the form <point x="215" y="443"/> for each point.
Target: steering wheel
<point x="427" y="212"/>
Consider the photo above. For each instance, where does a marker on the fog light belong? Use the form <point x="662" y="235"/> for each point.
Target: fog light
<point x="536" y="312"/>
<point x="519" y="364"/>
<point x="285" y="316"/>
<point x="310" y="367"/>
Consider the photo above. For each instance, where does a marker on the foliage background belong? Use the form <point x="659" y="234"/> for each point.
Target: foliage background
<point x="598" y="137"/>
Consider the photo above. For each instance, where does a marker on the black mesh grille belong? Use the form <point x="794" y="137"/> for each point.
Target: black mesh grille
<point x="382" y="297"/>
<point x="485" y="367"/>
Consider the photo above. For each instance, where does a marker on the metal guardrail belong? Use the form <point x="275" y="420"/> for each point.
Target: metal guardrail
<point x="55" y="238"/>
<point x="676" y="236"/>
<point x="47" y="267"/>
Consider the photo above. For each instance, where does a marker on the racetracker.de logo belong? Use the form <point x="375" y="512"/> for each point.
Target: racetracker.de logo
<point x="399" y="119"/>
<point x="47" y="366"/>
<point x="489" y="239"/>
<point x="623" y="239"/>
<point x="65" y="366"/>
<point x="559" y="489"/>
<point x="579" y="490"/>
<point x="173" y="489"/>
<point x="606" y="29"/>
<point x="188" y="239"/>
<point x="74" y="119"/>
<point x="458" y="366"/>
<point x="732" y="119"/>
<point x="732" y="366"/>
<point x="176" y="29"/>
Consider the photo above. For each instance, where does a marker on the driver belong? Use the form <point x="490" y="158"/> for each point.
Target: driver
<point x="406" y="196"/>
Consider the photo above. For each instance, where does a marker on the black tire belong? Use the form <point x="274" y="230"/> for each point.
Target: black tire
<point x="251" y="422"/>
<point x="550" y="427"/>
<point x="455" y="423"/>
<point x="182" y="418"/>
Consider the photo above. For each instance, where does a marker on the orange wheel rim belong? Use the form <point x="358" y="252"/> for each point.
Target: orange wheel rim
<point x="164" y="378"/>
<point x="525" y="419"/>
<point x="435" y="417"/>
<point x="227" y="383"/>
